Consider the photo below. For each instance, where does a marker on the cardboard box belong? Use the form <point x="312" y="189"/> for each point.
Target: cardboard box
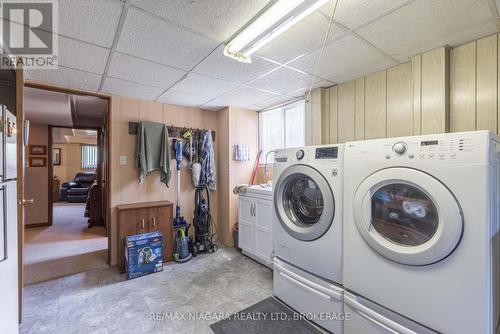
<point x="143" y="254"/>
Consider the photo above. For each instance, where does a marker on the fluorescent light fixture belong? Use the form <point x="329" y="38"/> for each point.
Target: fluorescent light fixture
<point x="279" y="17"/>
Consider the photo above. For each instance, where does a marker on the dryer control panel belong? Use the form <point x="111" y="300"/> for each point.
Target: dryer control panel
<point x="451" y="147"/>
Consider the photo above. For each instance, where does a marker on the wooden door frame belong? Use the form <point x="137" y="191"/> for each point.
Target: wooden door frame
<point x="20" y="85"/>
<point x="50" y="165"/>
<point x="20" y="184"/>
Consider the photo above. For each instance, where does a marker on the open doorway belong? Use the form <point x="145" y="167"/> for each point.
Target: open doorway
<point x="65" y="173"/>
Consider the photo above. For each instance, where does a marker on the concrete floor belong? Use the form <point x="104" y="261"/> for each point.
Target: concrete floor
<point x="103" y="301"/>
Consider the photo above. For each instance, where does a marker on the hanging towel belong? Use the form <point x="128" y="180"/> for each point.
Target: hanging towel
<point x="242" y="152"/>
<point x="152" y="151"/>
<point x="207" y="161"/>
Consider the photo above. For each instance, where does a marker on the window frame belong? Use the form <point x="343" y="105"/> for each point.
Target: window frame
<point x="283" y="108"/>
<point x="83" y="166"/>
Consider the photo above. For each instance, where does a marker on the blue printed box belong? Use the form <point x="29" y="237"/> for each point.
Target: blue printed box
<point x="143" y="254"/>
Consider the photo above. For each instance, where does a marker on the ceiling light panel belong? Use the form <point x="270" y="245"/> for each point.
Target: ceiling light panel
<point x="279" y="17"/>
<point x="305" y="37"/>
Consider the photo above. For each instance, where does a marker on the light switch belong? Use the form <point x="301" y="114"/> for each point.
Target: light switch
<point x="123" y="160"/>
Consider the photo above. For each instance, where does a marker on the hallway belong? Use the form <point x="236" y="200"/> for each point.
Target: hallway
<point x="67" y="247"/>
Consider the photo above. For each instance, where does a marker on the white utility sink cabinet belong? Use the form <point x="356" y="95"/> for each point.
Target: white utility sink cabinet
<point x="255" y="217"/>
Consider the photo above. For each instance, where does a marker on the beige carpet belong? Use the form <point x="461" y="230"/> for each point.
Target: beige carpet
<point x="67" y="247"/>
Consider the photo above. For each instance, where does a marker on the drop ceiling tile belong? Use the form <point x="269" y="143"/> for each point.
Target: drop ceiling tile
<point x="274" y="101"/>
<point x="341" y="56"/>
<point x="221" y="67"/>
<point x="204" y="86"/>
<point x="151" y="38"/>
<point x="66" y="77"/>
<point x="217" y="19"/>
<point x="243" y="97"/>
<point x="301" y="92"/>
<point x="427" y="24"/>
<point x="93" y="21"/>
<point x="282" y="81"/>
<point x="305" y="37"/>
<point x="82" y="56"/>
<point x="356" y="13"/>
<point x="182" y="98"/>
<point x="364" y="70"/>
<point x="142" y="71"/>
<point x="130" y="89"/>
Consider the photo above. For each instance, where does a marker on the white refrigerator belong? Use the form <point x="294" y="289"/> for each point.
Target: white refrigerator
<point x="9" y="317"/>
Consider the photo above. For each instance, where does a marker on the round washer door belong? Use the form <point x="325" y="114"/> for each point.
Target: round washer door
<point x="304" y="202"/>
<point x="407" y="216"/>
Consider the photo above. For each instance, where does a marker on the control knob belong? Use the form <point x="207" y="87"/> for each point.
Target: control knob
<point x="300" y="154"/>
<point x="399" y="148"/>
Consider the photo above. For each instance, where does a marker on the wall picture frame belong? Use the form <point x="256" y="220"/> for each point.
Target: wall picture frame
<point x="56" y="156"/>
<point x="38" y="162"/>
<point x="38" y="149"/>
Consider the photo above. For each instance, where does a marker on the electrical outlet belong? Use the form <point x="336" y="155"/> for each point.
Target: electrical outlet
<point x="123" y="160"/>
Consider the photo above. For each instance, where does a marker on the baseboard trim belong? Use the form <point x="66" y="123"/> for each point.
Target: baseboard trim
<point x="37" y="225"/>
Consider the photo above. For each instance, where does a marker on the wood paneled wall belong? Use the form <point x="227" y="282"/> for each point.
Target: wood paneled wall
<point x="408" y="99"/>
<point x="238" y="126"/>
<point x="474" y="86"/>
<point x="125" y="187"/>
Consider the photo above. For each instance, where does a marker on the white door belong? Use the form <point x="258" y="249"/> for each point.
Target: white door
<point x="304" y="202"/>
<point x="246" y="220"/>
<point x="407" y="216"/>
<point x="263" y="229"/>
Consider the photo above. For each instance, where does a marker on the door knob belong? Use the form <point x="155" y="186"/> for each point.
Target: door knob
<point x="26" y="201"/>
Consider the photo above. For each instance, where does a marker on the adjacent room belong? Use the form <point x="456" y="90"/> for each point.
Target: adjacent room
<point x="65" y="226"/>
<point x="250" y="166"/>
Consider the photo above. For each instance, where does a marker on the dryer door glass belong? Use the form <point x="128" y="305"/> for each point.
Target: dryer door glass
<point x="407" y="216"/>
<point x="404" y="214"/>
<point x="304" y="202"/>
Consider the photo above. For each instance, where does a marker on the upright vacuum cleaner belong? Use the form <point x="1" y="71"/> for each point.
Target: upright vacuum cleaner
<point x="182" y="242"/>
<point x="202" y="222"/>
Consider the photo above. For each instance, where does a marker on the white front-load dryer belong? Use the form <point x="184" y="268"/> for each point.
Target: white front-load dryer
<point x="307" y="240"/>
<point x="421" y="233"/>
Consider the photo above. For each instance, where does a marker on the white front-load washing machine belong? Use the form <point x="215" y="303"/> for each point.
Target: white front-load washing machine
<point x="307" y="241"/>
<point x="421" y="229"/>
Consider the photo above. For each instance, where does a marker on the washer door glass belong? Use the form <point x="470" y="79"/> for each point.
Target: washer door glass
<point x="304" y="202"/>
<point x="407" y="216"/>
<point x="403" y="214"/>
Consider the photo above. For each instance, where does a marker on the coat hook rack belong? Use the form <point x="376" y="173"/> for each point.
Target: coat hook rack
<point x="173" y="131"/>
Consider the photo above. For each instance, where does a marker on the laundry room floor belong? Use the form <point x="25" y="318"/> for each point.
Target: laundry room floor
<point x="103" y="301"/>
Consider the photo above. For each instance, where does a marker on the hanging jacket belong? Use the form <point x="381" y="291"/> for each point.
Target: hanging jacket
<point x="152" y="151"/>
<point x="207" y="161"/>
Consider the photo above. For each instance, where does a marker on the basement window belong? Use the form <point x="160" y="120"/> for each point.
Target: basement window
<point x="281" y="127"/>
<point x="89" y="157"/>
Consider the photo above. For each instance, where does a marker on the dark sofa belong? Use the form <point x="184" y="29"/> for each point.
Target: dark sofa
<point x="76" y="191"/>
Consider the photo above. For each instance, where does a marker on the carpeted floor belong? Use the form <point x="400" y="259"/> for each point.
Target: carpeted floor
<point x="67" y="247"/>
